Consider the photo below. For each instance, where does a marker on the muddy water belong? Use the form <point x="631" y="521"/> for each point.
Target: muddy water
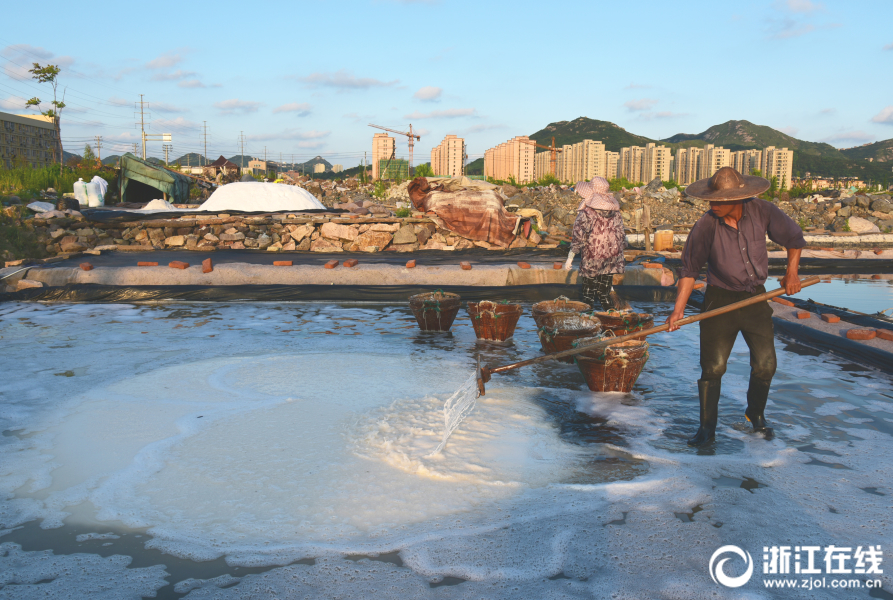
<point x="216" y="450"/>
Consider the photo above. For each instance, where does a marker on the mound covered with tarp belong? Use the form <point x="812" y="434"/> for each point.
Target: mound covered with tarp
<point x="472" y="209"/>
<point x="142" y="181"/>
<point x="261" y="197"/>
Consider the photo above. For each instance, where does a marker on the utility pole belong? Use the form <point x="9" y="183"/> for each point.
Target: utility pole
<point x="167" y="149"/>
<point x="143" y="106"/>
<point x="136" y="148"/>
<point x="242" y="142"/>
<point x="205" y="133"/>
<point x="98" y="139"/>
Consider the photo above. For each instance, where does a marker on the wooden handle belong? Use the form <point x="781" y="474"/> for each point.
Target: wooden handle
<point x="646" y="332"/>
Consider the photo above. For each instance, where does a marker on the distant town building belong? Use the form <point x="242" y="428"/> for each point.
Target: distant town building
<point x="712" y="160"/>
<point x="337" y="168"/>
<point x="257" y="167"/>
<point x="27" y="139"/>
<point x="448" y="158"/>
<point x="221" y="165"/>
<point x="579" y="162"/>
<point x="747" y="161"/>
<point x="319" y="168"/>
<point x="513" y="159"/>
<point x="394" y="168"/>
<point x="630" y="164"/>
<point x="383" y="147"/>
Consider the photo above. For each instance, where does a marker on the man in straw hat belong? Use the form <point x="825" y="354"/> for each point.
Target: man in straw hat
<point x="731" y="239"/>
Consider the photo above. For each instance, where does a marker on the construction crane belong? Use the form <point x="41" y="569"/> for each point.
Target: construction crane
<point x="412" y="137"/>
<point x="551" y="148"/>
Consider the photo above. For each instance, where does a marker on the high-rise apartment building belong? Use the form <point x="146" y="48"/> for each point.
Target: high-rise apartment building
<point x="656" y="163"/>
<point x="579" y="162"/>
<point x="27" y="139"/>
<point x="747" y="161"/>
<point x="383" y="147"/>
<point x="337" y="168"/>
<point x="447" y="159"/>
<point x="687" y="165"/>
<point x="611" y="165"/>
<point x="511" y="159"/>
<point x="631" y="163"/>
<point x="778" y="163"/>
<point x="713" y="159"/>
<point x="319" y="168"/>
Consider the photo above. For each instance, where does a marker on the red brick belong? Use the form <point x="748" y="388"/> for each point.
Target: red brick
<point x="331" y="264"/>
<point x="877" y="276"/>
<point x="861" y="334"/>
<point x="351" y="262"/>
<point x="783" y="302"/>
<point x="557" y="265"/>
<point x="830" y="318"/>
<point x="526" y="228"/>
<point x="147" y="264"/>
<point x="878" y="252"/>
<point x="282" y="263"/>
<point x="177" y="264"/>
<point x="885" y="334"/>
<point x="207" y="266"/>
<point x="524" y="265"/>
<point x="410" y="264"/>
<point x="803" y="314"/>
<point x="652" y="265"/>
<point x="466" y="266"/>
<point x="86" y="266"/>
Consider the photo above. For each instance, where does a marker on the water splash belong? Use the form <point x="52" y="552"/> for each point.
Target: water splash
<point x="457" y="407"/>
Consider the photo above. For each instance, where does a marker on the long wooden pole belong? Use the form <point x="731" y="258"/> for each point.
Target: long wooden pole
<point x="486" y="371"/>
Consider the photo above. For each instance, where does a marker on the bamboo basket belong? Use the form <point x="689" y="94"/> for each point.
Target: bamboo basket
<point x="494" y="321"/>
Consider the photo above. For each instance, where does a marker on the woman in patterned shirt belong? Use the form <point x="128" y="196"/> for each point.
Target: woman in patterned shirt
<point x="598" y="237"/>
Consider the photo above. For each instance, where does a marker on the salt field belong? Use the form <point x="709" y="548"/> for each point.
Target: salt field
<point x="861" y="294"/>
<point x="245" y="450"/>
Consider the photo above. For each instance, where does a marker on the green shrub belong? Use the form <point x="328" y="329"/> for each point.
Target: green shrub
<point x="403" y="212"/>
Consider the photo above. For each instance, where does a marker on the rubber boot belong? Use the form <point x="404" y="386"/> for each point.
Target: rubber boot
<point x="708" y="395"/>
<point x="757" y="396"/>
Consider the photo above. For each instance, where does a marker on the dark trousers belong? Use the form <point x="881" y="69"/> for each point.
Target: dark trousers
<point x="597" y="290"/>
<point x="719" y="333"/>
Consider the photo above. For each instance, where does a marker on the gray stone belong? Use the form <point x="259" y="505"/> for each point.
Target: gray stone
<point x="232" y="237"/>
<point x="263" y="240"/>
<point x="654" y="185"/>
<point x="863" y="201"/>
<point x="175" y="240"/>
<point x="860" y="225"/>
<point x="844" y="212"/>
<point x="405" y="235"/>
<point x="881" y="205"/>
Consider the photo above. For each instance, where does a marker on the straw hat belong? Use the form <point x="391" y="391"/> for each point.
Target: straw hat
<point x="727" y="185"/>
<point x="596" y="194"/>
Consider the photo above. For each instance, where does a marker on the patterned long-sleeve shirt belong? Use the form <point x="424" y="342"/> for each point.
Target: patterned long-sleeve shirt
<point x="598" y="237"/>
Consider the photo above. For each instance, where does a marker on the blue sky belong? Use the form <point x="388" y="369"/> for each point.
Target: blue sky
<point x="306" y="78"/>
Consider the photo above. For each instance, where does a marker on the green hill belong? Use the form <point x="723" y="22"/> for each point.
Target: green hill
<point x="475" y="167"/>
<point x="612" y="136"/>
<point x="880" y="151"/>
<point x="742" y="135"/>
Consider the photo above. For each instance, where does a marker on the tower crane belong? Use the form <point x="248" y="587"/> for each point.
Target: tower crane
<point x="412" y="137"/>
<point x="551" y="148"/>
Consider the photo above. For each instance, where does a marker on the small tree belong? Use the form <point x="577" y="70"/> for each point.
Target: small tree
<point x="49" y="74"/>
<point x="423" y="170"/>
<point x="89" y="157"/>
<point x="756" y="172"/>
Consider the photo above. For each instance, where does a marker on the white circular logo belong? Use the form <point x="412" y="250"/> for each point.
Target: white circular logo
<point x="716" y="572"/>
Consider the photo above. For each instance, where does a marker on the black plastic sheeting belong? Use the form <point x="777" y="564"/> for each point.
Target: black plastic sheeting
<point x="104" y="294"/>
<point x="105" y="215"/>
<point x="476" y="256"/>
<point x="850" y="350"/>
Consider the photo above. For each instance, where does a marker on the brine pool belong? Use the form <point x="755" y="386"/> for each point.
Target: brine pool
<point x="257" y="450"/>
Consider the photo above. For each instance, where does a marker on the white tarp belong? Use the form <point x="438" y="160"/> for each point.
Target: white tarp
<point x="260" y="197"/>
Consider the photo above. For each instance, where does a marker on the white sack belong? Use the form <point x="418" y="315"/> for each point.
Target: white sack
<point x="260" y="197"/>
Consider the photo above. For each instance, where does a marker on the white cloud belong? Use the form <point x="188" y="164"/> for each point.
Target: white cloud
<point x="291" y="134"/>
<point x="858" y="136"/>
<point x="167" y="108"/>
<point x="301" y="108"/>
<point x="179" y="122"/>
<point x="801" y="6"/>
<point x="791" y="131"/>
<point x="191" y="83"/>
<point x="13" y="103"/>
<point x="888" y="47"/>
<point x="484" y="127"/>
<point x="26" y="49"/>
<point x="119" y="101"/>
<point x="428" y="93"/>
<point x="450" y="113"/>
<point x="344" y="80"/>
<point x="885" y="116"/>
<point x="827" y="111"/>
<point x="647" y="116"/>
<point x="165" y="61"/>
<point x="787" y="28"/>
<point x="230" y="107"/>
<point x="640" y="105"/>
<point x="636" y="86"/>
<point x="174" y="76"/>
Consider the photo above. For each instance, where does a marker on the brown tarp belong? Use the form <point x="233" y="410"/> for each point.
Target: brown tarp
<point x="474" y="213"/>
